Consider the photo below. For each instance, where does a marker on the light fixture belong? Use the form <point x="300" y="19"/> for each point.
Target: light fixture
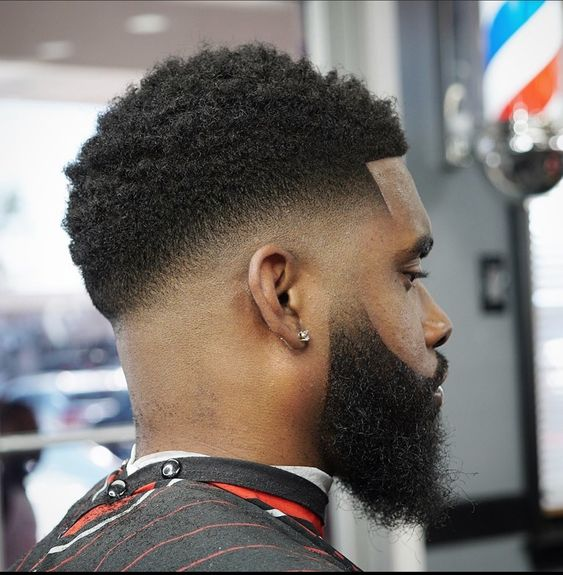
<point x="55" y="50"/>
<point x="147" y="24"/>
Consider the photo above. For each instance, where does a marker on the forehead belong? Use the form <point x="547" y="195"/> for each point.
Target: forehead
<point x="403" y="207"/>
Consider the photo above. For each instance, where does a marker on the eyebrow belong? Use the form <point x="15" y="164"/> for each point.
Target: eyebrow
<point x="420" y="249"/>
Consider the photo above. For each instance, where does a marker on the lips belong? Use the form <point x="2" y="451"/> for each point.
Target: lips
<point x="439" y="396"/>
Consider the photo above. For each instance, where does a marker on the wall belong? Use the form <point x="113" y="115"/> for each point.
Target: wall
<point x="394" y="46"/>
<point x="469" y="219"/>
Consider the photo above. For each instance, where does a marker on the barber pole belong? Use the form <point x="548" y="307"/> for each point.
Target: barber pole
<point x="521" y="46"/>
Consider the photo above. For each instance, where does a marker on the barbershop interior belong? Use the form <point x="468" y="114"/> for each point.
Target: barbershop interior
<point x="478" y="89"/>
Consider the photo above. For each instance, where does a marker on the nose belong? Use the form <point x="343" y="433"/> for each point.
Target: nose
<point x="436" y="324"/>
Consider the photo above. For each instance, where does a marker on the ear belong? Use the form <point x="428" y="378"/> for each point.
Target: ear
<point x="272" y="275"/>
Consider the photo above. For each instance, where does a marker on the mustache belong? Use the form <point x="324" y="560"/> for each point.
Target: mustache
<point x="441" y="372"/>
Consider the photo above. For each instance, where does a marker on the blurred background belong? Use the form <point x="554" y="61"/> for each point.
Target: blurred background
<point x="477" y="84"/>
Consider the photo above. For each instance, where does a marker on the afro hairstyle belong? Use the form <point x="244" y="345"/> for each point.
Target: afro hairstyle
<point x="205" y="145"/>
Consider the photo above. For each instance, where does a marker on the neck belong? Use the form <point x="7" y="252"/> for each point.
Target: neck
<point x="242" y="437"/>
<point x="216" y="400"/>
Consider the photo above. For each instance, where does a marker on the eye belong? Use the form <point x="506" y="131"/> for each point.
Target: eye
<point x="413" y="276"/>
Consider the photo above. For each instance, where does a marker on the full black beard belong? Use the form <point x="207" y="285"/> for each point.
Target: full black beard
<point x="381" y="434"/>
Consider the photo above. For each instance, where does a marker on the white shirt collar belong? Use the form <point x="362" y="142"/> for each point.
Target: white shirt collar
<point x="321" y="479"/>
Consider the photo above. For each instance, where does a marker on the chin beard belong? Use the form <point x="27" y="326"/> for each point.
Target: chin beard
<point x="381" y="433"/>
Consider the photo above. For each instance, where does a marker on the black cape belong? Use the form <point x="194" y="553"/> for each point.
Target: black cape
<point x="192" y="513"/>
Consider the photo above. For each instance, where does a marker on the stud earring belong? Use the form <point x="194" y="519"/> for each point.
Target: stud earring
<point x="303" y="335"/>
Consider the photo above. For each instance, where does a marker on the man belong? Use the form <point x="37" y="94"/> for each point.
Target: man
<point x="250" y="229"/>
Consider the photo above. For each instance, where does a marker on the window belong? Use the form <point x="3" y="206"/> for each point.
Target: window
<point x="546" y="258"/>
<point x="57" y="353"/>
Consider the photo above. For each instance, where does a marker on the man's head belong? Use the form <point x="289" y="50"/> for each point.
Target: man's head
<point x="207" y="149"/>
<point x="230" y="201"/>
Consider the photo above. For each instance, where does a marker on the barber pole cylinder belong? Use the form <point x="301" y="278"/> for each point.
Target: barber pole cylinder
<point x="522" y="43"/>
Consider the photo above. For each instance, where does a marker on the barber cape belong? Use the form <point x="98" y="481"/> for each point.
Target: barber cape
<point x="192" y="513"/>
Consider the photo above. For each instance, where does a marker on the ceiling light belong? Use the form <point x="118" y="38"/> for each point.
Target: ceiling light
<point x="55" y="50"/>
<point x="147" y="24"/>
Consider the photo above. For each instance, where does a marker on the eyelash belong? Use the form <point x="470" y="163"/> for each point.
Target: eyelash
<point x="413" y="276"/>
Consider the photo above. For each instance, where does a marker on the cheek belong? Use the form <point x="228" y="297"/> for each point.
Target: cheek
<point x="396" y="317"/>
<point x="307" y="375"/>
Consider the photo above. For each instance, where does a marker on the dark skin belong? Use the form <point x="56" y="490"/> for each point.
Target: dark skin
<point x="218" y="368"/>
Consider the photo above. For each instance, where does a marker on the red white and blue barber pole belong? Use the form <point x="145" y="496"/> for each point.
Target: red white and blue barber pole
<point x="521" y="47"/>
<point x="522" y="144"/>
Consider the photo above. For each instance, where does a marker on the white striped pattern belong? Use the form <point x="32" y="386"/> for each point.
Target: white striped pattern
<point x="173" y="481"/>
<point x="98" y="526"/>
<point x="525" y="54"/>
<point x="102" y="488"/>
<point x="488" y="10"/>
<point x="275" y="512"/>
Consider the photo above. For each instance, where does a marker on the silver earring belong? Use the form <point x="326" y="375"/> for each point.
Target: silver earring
<point x="303" y="335"/>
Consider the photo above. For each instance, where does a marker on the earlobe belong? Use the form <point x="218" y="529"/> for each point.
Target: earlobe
<point x="272" y="275"/>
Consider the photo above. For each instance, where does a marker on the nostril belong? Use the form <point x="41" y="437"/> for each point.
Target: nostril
<point x="444" y="338"/>
<point x="442" y="341"/>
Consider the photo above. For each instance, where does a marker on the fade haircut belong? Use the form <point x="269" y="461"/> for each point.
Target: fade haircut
<point x="202" y="147"/>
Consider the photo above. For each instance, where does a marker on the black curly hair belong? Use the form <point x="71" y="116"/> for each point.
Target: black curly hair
<point x="203" y="147"/>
